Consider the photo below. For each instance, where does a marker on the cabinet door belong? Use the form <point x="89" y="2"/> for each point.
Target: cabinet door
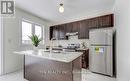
<point x="106" y="21"/>
<point x="51" y="32"/>
<point x="83" y="30"/>
<point x="62" y="32"/>
<point x="85" y="58"/>
<point x="69" y="27"/>
<point x="92" y="23"/>
<point x="75" y="26"/>
<point x="55" y="32"/>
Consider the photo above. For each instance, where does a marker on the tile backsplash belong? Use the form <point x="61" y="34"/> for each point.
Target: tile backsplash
<point x="71" y="40"/>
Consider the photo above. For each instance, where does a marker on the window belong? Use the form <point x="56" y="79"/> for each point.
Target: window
<point x="26" y="31"/>
<point x="29" y="28"/>
<point x="38" y="31"/>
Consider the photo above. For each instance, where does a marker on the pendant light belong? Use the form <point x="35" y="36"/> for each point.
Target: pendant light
<point x="61" y="8"/>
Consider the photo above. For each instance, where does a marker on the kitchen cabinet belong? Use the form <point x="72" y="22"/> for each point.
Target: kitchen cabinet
<point x="44" y="68"/>
<point x="75" y="26"/>
<point x="105" y="21"/>
<point x="72" y="27"/>
<point x="92" y="23"/>
<point x="51" y="32"/>
<point x="82" y="27"/>
<point x="54" y="32"/>
<point x="101" y="22"/>
<point x="69" y="27"/>
<point x="83" y="30"/>
<point x="62" y="32"/>
<point x="58" y="32"/>
<point x="85" y="58"/>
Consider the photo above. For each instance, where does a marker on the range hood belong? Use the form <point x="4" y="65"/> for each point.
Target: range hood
<point x="72" y="34"/>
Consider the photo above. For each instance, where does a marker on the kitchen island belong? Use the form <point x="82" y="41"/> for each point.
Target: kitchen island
<point x="42" y="65"/>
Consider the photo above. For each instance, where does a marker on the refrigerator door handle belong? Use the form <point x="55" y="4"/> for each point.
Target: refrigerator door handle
<point x="100" y="45"/>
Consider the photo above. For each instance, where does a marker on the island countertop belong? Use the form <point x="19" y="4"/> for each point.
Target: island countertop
<point x="62" y="56"/>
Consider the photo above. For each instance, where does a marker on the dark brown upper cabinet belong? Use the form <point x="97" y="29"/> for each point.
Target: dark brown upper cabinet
<point x="51" y="32"/>
<point x="69" y="27"/>
<point x="72" y="27"/>
<point x="82" y="27"/>
<point x="83" y="30"/>
<point x="58" y="32"/>
<point x="75" y="26"/>
<point x="105" y="21"/>
<point x="55" y="32"/>
<point x="101" y="22"/>
<point x="62" y="32"/>
<point x="92" y="23"/>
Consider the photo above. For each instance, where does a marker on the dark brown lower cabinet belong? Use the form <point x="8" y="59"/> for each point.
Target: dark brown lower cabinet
<point x="39" y="69"/>
<point x="85" y="58"/>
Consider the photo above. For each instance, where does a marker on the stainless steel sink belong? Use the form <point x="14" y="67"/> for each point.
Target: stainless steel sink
<point x="53" y="51"/>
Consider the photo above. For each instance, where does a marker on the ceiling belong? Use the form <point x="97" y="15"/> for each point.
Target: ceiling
<point x="48" y="9"/>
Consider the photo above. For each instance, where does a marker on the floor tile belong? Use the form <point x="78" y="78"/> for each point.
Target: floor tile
<point x="86" y="76"/>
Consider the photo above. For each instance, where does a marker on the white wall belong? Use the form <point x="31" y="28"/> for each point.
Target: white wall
<point x="12" y="33"/>
<point x="122" y="23"/>
<point x="1" y="46"/>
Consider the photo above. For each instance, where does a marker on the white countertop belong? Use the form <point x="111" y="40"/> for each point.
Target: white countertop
<point x="82" y="48"/>
<point x="62" y="57"/>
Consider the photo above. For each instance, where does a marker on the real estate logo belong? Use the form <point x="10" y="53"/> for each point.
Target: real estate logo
<point x="7" y="8"/>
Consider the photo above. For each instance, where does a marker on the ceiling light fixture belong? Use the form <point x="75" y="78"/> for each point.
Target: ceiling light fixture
<point x="61" y="8"/>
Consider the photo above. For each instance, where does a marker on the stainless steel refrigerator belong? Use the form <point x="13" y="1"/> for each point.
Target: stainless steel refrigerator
<point x="101" y="51"/>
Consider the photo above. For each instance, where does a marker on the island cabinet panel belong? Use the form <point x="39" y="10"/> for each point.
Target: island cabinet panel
<point x="39" y="69"/>
<point x="83" y="30"/>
